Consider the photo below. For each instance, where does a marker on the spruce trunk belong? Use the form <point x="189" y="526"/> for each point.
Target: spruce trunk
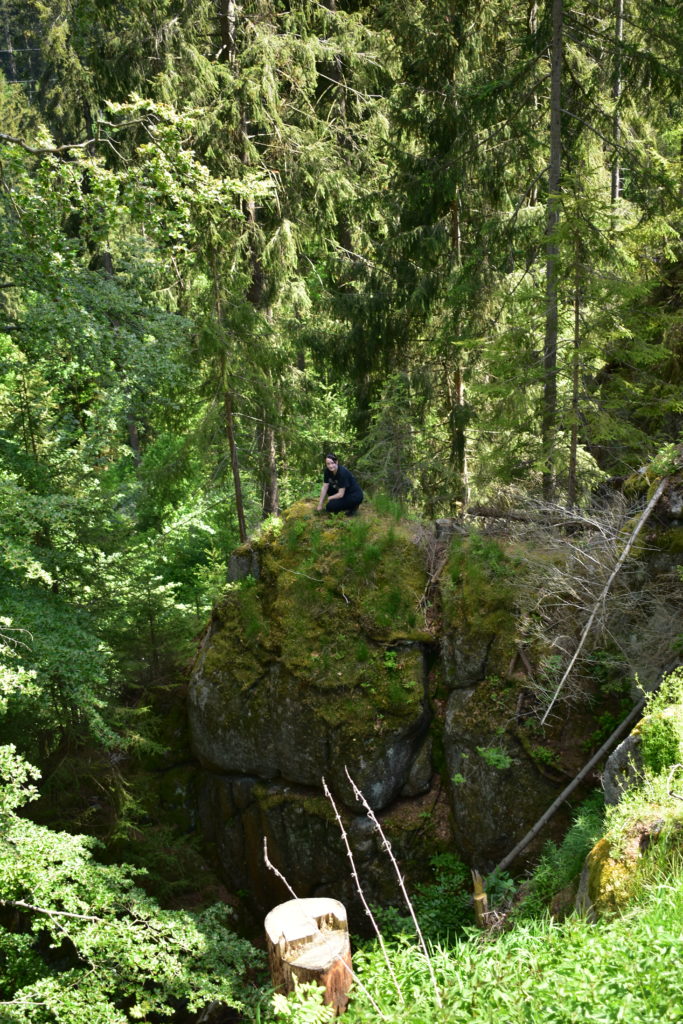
<point x="549" y="414"/>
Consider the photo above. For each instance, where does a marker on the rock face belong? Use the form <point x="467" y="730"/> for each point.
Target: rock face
<point x="314" y="670"/>
<point x="623" y="769"/>
<point x="332" y="655"/>
<point x="498" y="791"/>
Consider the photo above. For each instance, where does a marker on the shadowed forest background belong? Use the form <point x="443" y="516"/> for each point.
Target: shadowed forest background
<point x="442" y="239"/>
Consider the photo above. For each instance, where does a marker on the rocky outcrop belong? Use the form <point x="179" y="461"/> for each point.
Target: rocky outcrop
<point x="623" y="769"/>
<point x="498" y="791"/>
<point x="332" y="654"/>
<point x="315" y="670"/>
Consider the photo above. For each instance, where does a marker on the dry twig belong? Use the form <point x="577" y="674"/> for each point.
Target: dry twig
<point x="359" y="890"/>
<point x="387" y="846"/>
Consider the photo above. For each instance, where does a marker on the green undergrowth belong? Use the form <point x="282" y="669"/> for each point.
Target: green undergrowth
<point x="627" y="969"/>
<point x="614" y="961"/>
<point x="560" y="865"/>
<point x="539" y="970"/>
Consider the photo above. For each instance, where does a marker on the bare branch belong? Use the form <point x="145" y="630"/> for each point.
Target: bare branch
<point x="359" y="890"/>
<point x="603" y="594"/>
<point x="45" y="150"/>
<point x="312" y="920"/>
<point x="387" y="846"/>
<point x="69" y="146"/>
<point x="523" y="843"/>
<point x="48" y="911"/>
<point x="669" y="783"/>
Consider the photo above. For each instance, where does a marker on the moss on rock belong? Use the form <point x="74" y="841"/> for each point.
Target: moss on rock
<point x="480" y="613"/>
<point x="318" y="661"/>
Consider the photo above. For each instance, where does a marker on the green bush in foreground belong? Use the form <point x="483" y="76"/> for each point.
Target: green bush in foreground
<point x="80" y="943"/>
<point x="541" y="972"/>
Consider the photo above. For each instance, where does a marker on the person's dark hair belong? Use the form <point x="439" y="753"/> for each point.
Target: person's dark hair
<point x="330" y="455"/>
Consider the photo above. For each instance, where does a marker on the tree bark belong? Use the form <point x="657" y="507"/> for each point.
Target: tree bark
<point x="308" y="940"/>
<point x="457" y="416"/>
<point x="616" y="95"/>
<point x="572" y="483"/>
<point x="549" y="414"/>
<point x="532" y="29"/>
<point x="226" y="31"/>
<point x="271" y="485"/>
<point x="13" y="76"/>
<point x="234" y="460"/>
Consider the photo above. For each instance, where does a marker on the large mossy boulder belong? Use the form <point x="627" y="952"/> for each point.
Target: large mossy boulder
<point x="317" y="667"/>
<point x="334" y="651"/>
<point x="314" y="665"/>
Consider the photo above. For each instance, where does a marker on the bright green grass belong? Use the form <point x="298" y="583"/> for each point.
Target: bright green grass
<point x="627" y="970"/>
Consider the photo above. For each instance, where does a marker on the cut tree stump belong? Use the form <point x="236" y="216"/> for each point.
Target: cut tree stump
<point x="308" y="940"/>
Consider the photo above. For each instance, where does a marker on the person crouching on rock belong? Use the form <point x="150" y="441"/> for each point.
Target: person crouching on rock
<point x="340" y="487"/>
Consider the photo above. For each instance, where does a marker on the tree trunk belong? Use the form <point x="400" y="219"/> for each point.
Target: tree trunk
<point x="616" y="94"/>
<point x="234" y="461"/>
<point x="457" y="416"/>
<point x="271" y="486"/>
<point x="532" y="29"/>
<point x="308" y="940"/>
<point x="226" y="31"/>
<point x="574" y="432"/>
<point x="133" y="434"/>
<point x="480" y="901"/>
<point x="456" y="229"/>
<point x="13" y="76"/>
<point x="549" y="414"/>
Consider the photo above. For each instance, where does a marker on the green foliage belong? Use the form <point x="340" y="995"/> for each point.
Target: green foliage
<point x="561" y="865"/>
<point x="86" y="944"/>
<point x="495" y="757"/>
<point x="661" y="730"/>
<point x="541" y="971"/>
<point x="303" y="1006"/>
<point x="390" y="660"/>
<point x="443" y="907"/>
<point x="334" y="225"/>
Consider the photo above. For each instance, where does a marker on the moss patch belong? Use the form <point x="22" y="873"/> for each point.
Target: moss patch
<point x="337" y="608"/>
<point x="609" y="880"/>
<point x="480" y="600"/>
